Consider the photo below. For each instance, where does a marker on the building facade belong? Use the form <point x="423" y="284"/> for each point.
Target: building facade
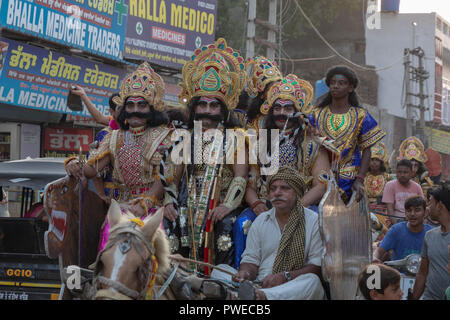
<point x="387" y="45"/>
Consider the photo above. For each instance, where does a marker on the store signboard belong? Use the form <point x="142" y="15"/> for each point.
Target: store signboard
<point x="95" y="26"/>
<point x="37" y="78"/>
<point x="166" y="32"/>
<point x="66" y="141"/>
<point x="439" y="140"/>
<point x="30" y="140"/>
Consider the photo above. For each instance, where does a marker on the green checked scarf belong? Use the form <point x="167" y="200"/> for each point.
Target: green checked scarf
<point x="291" y="251"/>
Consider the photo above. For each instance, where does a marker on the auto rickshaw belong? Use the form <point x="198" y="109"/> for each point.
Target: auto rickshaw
<point x="26" y="272"/>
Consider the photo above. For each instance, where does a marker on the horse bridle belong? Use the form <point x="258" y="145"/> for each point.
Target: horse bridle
<point x="131" y="234"/>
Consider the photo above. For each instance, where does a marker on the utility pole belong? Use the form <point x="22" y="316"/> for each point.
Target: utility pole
<point x="270" y="25"/>
<point x="409" y="116"/>
<point x="271" y="33"/>
<point x="280" y="29"/>
<point x="251" y="28"/>
<point x="419" y="75"/>
<point x="422" y="74"/>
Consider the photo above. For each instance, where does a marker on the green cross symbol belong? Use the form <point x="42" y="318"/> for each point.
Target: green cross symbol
<point x="198" y="42"/>
<point x="122" y="9"/>
<point x="139" y="28"/>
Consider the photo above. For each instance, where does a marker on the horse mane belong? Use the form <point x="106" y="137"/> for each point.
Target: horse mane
<point x="162" y="250"/>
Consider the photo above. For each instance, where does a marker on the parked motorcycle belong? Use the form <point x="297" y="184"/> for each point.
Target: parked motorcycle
<point x="408" y="267"/>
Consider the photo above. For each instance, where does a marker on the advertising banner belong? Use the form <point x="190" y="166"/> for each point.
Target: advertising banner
<point x="439" y="140"/>
<point x="64" y="141"/>
<point x="166" y="32"/>
<point x="95" y="26"/>
<point x="40" y="79"/>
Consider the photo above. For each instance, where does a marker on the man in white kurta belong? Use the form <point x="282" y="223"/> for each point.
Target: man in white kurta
<point x="262" y="246"/>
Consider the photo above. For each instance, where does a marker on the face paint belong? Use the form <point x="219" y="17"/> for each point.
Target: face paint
<point x="284" y="103"/>
<point x="135" y="99"/>
<point x="208" y="100"/>
<point x="339" y="77"/>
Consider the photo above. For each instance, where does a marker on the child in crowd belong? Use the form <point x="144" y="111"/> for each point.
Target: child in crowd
<point x="380" y="282"/>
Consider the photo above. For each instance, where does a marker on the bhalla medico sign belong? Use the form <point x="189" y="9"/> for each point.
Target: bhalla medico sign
<point x="95" y="26"/>
<point x="166" y="32"/>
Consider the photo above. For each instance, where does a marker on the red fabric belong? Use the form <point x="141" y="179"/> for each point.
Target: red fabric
<point x="446" y="166"/>
<point x="434" y="162"/>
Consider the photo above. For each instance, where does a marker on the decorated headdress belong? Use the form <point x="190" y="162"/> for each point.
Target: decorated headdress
<point x="145" y="83"/>
<point x="412" y="149"/>
<point x="260" y="71"/>
<point x="299" y="91"/>
<point x="379" y="151"/>
<point x="215" y="70"/>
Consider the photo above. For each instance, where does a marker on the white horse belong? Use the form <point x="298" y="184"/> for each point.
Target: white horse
<point x="136" y="255"/>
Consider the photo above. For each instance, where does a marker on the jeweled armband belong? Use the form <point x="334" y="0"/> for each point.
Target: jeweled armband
<point x="235" y="193"/>
<point x="323" y="177"/>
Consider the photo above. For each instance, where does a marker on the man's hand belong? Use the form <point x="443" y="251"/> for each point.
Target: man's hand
<point x="73" y="169"/>
<point x="240" y="276"/>
<point x="358" y="187"/>
<point x="219" y="213"/>
<point x="105" y="198"/>
<point x="169" y="212"/>
<point x="273" y="280"/>
<point x="137" y="209"/>
<point x="260" y="208"/>
<point x="79" y="91"/>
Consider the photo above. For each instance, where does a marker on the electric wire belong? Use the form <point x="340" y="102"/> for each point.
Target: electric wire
<point x="334" y="50"/>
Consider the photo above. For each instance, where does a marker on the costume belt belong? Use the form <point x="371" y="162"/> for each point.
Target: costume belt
<point x="129" y="192"/>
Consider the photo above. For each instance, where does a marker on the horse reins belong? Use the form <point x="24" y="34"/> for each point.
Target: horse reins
<point x="123" y="291"/>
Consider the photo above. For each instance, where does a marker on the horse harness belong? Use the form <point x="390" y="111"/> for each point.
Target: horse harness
<point x="128" y="234"/>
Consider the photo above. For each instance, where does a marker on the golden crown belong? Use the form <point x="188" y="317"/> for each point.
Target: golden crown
<point x="379" y="151"/>
<point x="299" y="91"/>
<point x="412" y="149"/>
<point x="260" y="72"/>
<point x="215" y="70"/>
<point x="143" y="82"/>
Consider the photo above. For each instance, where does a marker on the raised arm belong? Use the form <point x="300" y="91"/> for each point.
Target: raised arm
<point x="95" y="113"/>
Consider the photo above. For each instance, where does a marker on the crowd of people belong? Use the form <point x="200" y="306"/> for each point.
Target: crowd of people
<point x="262" y="225"/>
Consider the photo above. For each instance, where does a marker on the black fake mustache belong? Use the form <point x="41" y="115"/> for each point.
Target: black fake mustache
<point x="143" y="115"/>
<point x="213" y="117"/>
<point x="279" y="117"/>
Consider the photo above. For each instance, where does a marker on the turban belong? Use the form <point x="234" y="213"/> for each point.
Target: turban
<point x="292" y="177"/>
<point x="291" y="251"/>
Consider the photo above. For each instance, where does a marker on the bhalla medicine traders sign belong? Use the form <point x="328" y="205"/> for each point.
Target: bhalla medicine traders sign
<point x="37" y="78"/>
<point x="95" y="26"/>
<point x="167" y="32"/>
